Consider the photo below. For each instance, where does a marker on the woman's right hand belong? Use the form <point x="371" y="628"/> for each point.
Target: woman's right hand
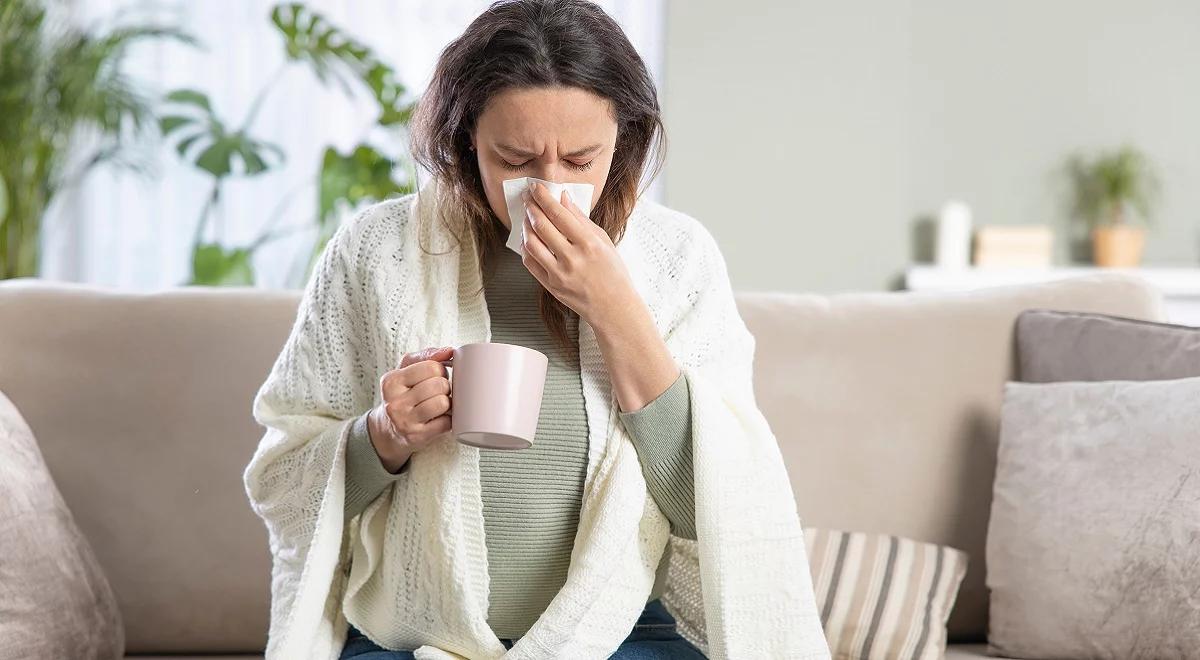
<point x="416" y="406"/>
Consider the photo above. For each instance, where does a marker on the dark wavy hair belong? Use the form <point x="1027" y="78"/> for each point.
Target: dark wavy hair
<point x="536" y="44"/>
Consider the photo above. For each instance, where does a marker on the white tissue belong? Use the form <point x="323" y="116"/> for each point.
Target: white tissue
<point x="580" y="193"/>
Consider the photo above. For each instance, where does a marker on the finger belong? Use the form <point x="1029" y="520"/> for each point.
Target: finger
<point x="543" y="227"/>
<point x="535" y="248"/>
<point x="392" y="385"/>
<point x="431" y="408"/>
<point x="427" y="370"/>
<point x="583" y="218"/>
<point x="416" y="372"/>
<point x="437" y="426"/>
<point x="536" y="269"/>
<point x="431" y="353"/>
<point x="563" y="220"/>
<point x="428" y="389"/>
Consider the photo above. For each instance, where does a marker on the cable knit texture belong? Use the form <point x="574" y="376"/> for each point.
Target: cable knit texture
<point x="532" y="497"/>
<point x="375" y="295"/>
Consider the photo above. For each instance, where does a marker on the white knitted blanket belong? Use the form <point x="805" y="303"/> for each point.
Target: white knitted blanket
<point x="414" y="564"/>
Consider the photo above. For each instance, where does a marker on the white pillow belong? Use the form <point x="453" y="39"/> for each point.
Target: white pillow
<point x="54" y="599"/>
<point x="1093" y="546"/>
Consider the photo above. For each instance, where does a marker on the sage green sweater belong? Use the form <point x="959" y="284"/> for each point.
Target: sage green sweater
<point x="532" y="497"/>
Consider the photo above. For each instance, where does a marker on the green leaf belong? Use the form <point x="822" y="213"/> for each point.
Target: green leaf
<point x="364" y="174"/>
<point x="214" y="265"/>
<point x="3" y="199"/>
<point x="183" y="145"/>
<point x="58" y="77"/>
<point x="221" y="151"/>
<point x="309" y="37"/>
<point x="254" y="162"/>
<point x="191" y="97"/>
<point x="171" y="122"/>
<point x="393" y="116"/>
<point x="388" y="92"/>
<point x="217" y="159"/>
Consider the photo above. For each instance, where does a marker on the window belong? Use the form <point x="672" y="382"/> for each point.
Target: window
<point x="119" y="229"/>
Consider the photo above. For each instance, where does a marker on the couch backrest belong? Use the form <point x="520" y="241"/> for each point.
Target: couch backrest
<point x="141" y="406"/>
<point x="885" y="406"/>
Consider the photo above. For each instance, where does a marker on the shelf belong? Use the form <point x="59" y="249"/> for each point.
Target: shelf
<point x="1177" y="282"/>
<point x="1180" y="286"/>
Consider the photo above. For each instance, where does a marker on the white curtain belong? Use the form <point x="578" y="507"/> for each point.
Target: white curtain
<point x="124" y="230"/>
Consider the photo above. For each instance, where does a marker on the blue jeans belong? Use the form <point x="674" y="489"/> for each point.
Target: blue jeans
<point x="653" y="638"/>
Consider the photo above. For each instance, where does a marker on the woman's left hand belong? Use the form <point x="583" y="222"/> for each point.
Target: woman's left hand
<point x="573" y="257"/>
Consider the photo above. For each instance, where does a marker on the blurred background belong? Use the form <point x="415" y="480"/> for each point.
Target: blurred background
<point x="855" y="146"/>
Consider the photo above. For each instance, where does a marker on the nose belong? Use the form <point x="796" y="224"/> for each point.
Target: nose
<point x="553" y="171"/>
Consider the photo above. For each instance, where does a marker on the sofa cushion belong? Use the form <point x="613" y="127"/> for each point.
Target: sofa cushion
<point x="1054" y="345"/>
<point x="886" y="405"/>
<point x="881" y="595"/>
<point x="141" y="404"/>
<point x="1094" y="536"/>
<point x="969" y="652"/>
<point x="54" y="599"/>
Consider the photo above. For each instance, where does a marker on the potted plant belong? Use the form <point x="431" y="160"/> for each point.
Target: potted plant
<point x="57" y="81"/>
<point x="1115" y="194"/>
<point x="222" y="149"/>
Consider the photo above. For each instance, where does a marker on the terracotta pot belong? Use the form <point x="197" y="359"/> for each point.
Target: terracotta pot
<point x="1118" y="245"/>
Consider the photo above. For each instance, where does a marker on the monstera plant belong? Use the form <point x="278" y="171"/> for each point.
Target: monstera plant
<point x="222" y="150"/>
<point x="58" y="83"/>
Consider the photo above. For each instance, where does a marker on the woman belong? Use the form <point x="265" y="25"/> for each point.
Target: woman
<point x="558" y="550"/>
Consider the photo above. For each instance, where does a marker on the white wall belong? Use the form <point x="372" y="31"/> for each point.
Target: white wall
<point x="811" y="137"/>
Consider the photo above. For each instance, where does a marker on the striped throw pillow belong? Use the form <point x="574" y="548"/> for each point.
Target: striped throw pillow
<point x="883" y="596"/>
<point x="880" y="597"/>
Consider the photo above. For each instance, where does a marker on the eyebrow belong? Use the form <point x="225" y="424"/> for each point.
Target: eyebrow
<point x="522" y="153"/>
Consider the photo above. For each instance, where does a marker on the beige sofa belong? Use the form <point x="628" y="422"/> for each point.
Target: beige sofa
<point x="885" y="405"/>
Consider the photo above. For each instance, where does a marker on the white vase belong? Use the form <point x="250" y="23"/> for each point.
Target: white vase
<point x="953" y="235"/>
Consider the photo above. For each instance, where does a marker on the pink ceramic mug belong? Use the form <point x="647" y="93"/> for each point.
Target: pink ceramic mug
<point x="496" y="394"/>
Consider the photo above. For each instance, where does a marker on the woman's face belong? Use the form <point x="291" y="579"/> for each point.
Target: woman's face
<point x="560" y="134"/>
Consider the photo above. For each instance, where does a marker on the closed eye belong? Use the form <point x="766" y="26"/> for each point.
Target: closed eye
<point x="578" y="167"/>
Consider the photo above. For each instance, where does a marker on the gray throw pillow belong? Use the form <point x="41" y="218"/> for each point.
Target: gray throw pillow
<point x="1057" y="345"/>
<point x="54" y="599"/>
<point x="1093" y="543"/>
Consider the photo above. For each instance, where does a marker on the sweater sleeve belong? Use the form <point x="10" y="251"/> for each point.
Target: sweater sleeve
<point x="661" y="432"/>
<point x="366" y="477"/>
